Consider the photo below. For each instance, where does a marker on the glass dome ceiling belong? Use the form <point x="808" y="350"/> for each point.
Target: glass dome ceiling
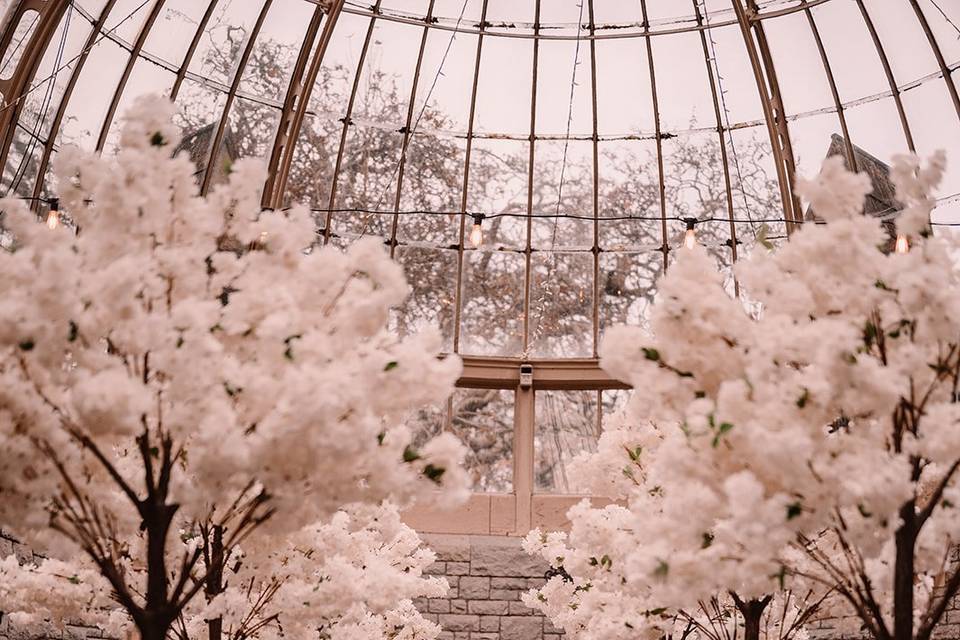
<point x="583" y="132"/>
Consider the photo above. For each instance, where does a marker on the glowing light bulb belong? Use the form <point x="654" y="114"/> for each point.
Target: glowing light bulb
<point x="902" y="245"/>
<point x="690" y="237"/>
<point x="53" y="217"/>
<point x="476" y="234"/>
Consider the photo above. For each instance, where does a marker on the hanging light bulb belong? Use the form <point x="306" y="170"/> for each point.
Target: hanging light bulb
<point x="690" y="237"/>
<point x="902" y="245"/>
<point x="53" y="217"/>
<point x="476" y="234"/>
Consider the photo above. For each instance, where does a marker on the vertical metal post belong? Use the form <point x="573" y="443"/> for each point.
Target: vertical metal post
<point x="14" y="89"/>
<point x="595" y="250"/>
<point x="88" y="45"/>
<point x="231" y="96"/>
<point x="891" y="81"/>
<point x="664" y="246"/>
<point x="291" y="131"/>
<point x="715" y="96"/>
<point x="466" y="182"/>
<point x="772" y="112"/>
<point x="290" y="101"/>
<point x="528" y="249"/>
<point x="188" y="56"/>
<point x="838" y="104"/>
<point x="347" y="122"/>
<point x="407" y="132"/>
<point x="127" y="70"/>
<point x="938" y="54"/>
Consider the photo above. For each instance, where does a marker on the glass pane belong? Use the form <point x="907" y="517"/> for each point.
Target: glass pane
<point x="561" y="305"/>
<point x="430" y="273"/>
<point x="566" y="425"/>
<point x="483" y="420"/>
<point x="492" y="313"/>
<point x="274" y="54"/>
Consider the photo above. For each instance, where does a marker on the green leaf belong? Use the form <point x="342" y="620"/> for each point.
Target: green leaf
<point x="27" y="345"/>
<point x="762" y="234"/>
<point x="74" y="579"/>
<point x="870" y="333"/>
<point x="794" y="510"/>
<point x="804" y="398"/>
<point x="410" y="454"/>
<point x="381" y="436"/>
<point x="707" y="540"/>
<point x="73" y="332"/>
<point x="393" y="364"/>
<point x="157" y="140"/>
<point x="434" y="473"/>
<point x="662" y="569"/>
<point x="863" y="511"/>
<point x="651" y="354"/>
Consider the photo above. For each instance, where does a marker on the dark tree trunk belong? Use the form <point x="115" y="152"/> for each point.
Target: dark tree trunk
<point x="158" y="613"/>
<point x="752" y="612"/>
<point x="214" y="584"/>
<point x="906" y="540"/>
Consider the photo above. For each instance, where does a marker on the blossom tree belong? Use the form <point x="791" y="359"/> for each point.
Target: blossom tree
<point x="814" y="443"/>
<point x="189" y="394"/>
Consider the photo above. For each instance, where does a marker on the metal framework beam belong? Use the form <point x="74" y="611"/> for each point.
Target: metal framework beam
<point x="466" y="182"/>
<point x="14" y="89"/>
<point x="664" y="244"/>
<point x="221" y="127"/>
<point x="127" y="70"/>
<point x="408" y="131"/>
<point x="891" y="81"/>
<point x="347" y="121"/>
<point x="289" y="131"/>
<point x="762" y="65"/>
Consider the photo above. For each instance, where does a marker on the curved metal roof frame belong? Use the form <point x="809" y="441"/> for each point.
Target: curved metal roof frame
<point x="749" y="16"/>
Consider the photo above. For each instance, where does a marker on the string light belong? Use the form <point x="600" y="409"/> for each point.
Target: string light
<point x="690" y="237"/>
<point x="476" y="234"/>
<point x="53" y="217"/>
<point x="902" y="245"/>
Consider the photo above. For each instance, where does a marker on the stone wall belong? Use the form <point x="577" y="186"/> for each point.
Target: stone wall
<point x="45" y="631"/>
<point x="487" y="574"/>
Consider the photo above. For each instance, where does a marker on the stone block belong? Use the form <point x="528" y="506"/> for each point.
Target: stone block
<point x="458" y="568"/>
<point x="484" y="636"/>
<point x="505" y="594"/>
<point x="422" y="604"/>
<point x="521" y="628"/>
<point x="449" y="548"/>
<point x="509" y="583"/>
<point x="474" y="587"/>
<point x="458" y="606"/>
<point x="489" y="607"/>
<point x="439" y="606"/>
<point x="520" y="609"/>
<point x="503" y="557"/>
<point x="489" y="624"/>
<point x="445" y="635"/>
<point x="435" y="569"/>
<point x="459" y="622"/>
<point x="461" y="635"/>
